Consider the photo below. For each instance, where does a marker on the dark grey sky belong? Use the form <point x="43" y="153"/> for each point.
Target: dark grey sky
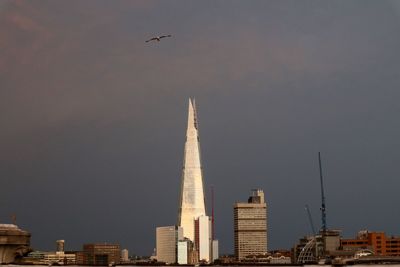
<point x="93" y="118"/>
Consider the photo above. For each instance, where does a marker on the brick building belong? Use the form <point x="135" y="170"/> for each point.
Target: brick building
<point x="377" y="242"/>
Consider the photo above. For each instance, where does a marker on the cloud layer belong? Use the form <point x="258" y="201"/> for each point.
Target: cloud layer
<point x="93" y="118"/>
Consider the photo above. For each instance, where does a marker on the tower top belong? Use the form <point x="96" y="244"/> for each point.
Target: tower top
<point x="192" y="118"/>
<point x="257" y="196"/>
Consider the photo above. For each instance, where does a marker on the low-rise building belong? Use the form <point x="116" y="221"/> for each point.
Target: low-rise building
<point x="124" y="256"/>
<point x="59" y="257"/>
<point x="377" y="242"/>
<point x="99" y="254"/>
<point x="214" y="250"/>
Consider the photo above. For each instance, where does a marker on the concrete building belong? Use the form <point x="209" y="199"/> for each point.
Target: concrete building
<point x="183" y="251"/>
<point x="57" y="257"/>
<point x="250" y="226"/>
<point x="167" y="238"/>
<point x="309" y="249"/>
<point x="192" y="203"/>
<point x="99" y="254"/>
<point x="124" y="256"/>
<point x="331" y="241"/>
<point x="60" y="245"/>
<point x="14" y="242"/>
<point x="186" y="252"/>
<point x="214" y="250"/>
<point x="203" y="238"/>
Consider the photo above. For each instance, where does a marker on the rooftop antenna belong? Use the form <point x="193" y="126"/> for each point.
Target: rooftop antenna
<point x="212" y="213"/>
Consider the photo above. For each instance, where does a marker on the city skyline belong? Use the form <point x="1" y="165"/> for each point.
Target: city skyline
<point x="93" y="118"/>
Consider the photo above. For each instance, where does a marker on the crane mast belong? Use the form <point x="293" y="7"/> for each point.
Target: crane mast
<point x="323" y="206"/>
<point x="310" y="220"/>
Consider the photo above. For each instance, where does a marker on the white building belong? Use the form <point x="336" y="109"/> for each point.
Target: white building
<point x="203" y="237"/>
<point x="124" y="255"/>
<point x="183" y="252"/>
<point x="214" y="250"/>
<point x="167" y="238"/>
<point x="60" y="245"/>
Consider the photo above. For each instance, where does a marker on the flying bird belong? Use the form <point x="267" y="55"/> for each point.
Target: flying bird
<point x="158" y="38"/>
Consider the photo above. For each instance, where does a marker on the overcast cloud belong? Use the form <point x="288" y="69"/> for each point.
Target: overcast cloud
<point x="93" y="119"/>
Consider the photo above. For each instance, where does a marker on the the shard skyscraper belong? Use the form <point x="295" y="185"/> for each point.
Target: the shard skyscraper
<point x="192" y="203"/>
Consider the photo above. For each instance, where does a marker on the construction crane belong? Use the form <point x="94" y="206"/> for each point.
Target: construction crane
<point x="312" y="250"/>
<point x="311" y="220"/>
<point x="323" y="206"/>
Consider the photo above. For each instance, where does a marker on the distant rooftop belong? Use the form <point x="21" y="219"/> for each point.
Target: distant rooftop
<point x="8" y="226"/>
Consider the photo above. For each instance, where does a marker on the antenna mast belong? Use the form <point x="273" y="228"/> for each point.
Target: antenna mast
<point x="212" y="213"/>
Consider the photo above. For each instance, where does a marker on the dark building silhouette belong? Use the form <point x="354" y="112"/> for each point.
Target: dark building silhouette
<point x="99" y="254"/>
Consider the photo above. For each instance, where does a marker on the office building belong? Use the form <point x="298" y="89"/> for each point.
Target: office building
<point x="192" y="203"/>
<point x="99" y="254"/>
<point x="250" y="226"/>
<point x="167" y="238"/>
<point x="203" y="238"/>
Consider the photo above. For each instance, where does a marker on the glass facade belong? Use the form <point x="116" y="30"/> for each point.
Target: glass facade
<point x="192" y="203"/>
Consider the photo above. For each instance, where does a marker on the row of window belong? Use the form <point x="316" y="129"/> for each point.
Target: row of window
<point x="393" y="250"/>
<point x="364" y="242"/>
<point x="354" y="243"/>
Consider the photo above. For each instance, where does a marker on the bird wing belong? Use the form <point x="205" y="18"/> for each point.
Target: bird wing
<point x="163" y="36"/>
<point x="152" y="39"/>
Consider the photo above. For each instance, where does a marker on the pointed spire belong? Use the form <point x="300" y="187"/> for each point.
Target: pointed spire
<point x="192" y="118"/>
<point x="192" y="204"/>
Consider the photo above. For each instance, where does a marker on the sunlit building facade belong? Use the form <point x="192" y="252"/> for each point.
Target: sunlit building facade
<point x="377" y="242"/>
<point x="167" y="238"/>
<point x="203" y="238"/>
<point x="250" y="226"/>
<point x="192" y="203"/>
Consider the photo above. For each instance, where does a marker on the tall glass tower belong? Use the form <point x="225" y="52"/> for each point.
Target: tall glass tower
<point x="192" y="203"/>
